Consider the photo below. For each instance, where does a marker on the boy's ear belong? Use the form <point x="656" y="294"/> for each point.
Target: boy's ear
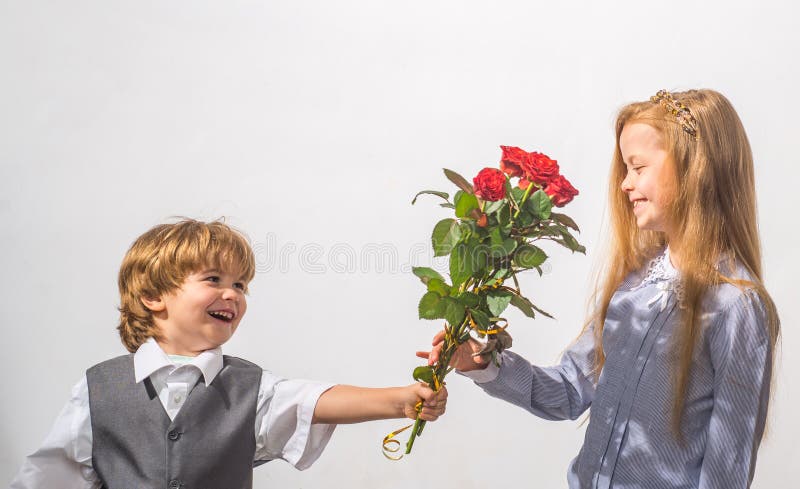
<point x="154" y="304"/>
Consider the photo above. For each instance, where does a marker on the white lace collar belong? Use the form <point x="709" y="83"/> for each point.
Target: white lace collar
<point x="665" y="277"/>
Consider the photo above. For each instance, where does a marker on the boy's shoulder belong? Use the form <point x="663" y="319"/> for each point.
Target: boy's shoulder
<point x="125" y="362"/>
<point x="112" y="363"/>
<point x="236" y="362"/>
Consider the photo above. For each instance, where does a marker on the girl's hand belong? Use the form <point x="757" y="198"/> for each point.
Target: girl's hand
<point x="463" y="359"/>
<point x="433" y="402"/>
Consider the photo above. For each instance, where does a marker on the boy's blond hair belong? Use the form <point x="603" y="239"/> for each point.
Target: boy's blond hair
<point x="159" y="261"/>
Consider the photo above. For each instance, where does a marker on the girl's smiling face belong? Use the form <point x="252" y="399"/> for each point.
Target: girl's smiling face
<point x="649" y="181"/>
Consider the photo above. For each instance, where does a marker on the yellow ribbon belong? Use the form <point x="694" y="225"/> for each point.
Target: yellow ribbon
<point x="390" y="444"/>
<point x="494" y="330"/>
<point x="496" y="285"/>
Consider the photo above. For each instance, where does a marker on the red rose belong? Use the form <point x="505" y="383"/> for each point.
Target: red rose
<point x="511" y="161"/>
<point x="539" y="168"/>
<point x="561" y="192"/>
<point x="490" y="184"/>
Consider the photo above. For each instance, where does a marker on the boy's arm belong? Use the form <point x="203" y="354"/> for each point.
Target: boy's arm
<point x="350" y="404"/>
<point x="64" y="459"/>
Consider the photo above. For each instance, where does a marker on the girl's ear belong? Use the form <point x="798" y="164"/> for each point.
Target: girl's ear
<point x="154" y="304"/>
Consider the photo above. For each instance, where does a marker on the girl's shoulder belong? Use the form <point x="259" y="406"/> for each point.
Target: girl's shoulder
<point x="737" y="284"/>
<point x="734" y="308"/>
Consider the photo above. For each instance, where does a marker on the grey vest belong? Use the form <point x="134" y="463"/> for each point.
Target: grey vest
<point x="209" y="445"/>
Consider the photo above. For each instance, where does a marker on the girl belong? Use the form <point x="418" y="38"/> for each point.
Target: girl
<point x="676" y="359"/>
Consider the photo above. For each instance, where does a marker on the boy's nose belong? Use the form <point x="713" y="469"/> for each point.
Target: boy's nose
<point x="229" y="293"/>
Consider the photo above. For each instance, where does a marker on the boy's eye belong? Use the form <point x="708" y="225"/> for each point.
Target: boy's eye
<point x="239" y="285"/>
<point x="213" y="278"/>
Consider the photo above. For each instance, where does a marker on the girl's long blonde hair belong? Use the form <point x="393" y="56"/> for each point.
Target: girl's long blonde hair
<point x="713" y="216"/>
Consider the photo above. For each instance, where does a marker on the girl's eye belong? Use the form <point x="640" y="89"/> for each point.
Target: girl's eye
<point x="239" y="285"/>
<point x="213" y="278"/>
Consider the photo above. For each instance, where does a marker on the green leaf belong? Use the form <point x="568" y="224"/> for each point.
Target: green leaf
<point x="491" y="207"/>
<point x="529" y="256"/>
<point x="523" y="305"/>
<point x="467" y="228"/>
<point x="571" y="243"/>
<point x="426" y="274"/>
<point x="465" y="204"/>
<point x="501" y="245"/>
<point x="504" y="216"/>
<point x="524" y="219"/>
<point x="543" y="313"/>
<point x="517" y="194"/>
<point x="508" y="247"/>
<point x="445" y="235"/>
<point x="424" y="374"/>
<point x="496" y="237"/>
<point x="539" y="204"/>
<point x="460" y="181"/>
<point x="498" y="300"/>
<point x="455" y="312"/>
<point x="469" y="299"/>
<point x="431" y="307"/>
<point x="460" y="265"/>
<point x="527" y="307"/>
<point x="448" y="205"/>
<point x="478" y="255"/>
<point x="565" y="220"/>
<point x="443" y="195"/>
<point x="500" y="274"/>
<point x="480" y="318"/>
<point x="438" y="286"/>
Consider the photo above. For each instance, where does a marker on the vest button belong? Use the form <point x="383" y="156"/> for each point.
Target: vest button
<point x="173" y="435"/>
<point x="175" y="484"/>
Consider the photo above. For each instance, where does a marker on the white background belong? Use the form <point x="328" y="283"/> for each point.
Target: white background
<point x="310" y="125"/>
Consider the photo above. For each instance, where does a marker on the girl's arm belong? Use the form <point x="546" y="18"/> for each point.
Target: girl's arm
<point x="741" y="353"/>
<point x="559" y="392"/>
<point x="350" y="404"/>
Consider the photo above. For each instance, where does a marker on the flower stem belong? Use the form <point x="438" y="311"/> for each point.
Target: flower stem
<point x="418" y="425"/>
<point x="524" y="198"/>
<point x="439" y="372"/>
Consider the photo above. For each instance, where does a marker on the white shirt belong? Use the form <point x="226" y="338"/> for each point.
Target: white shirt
<point x="283" y="428"/>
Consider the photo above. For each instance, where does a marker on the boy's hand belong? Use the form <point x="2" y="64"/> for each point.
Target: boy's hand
<point x="433" y="402"/>
<point x="463" y="359"/>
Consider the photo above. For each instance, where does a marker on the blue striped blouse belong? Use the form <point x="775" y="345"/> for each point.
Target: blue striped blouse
<point x="628" y="442"/>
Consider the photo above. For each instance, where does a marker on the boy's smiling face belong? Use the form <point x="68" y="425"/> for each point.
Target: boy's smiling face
<point x="200" y="315"/>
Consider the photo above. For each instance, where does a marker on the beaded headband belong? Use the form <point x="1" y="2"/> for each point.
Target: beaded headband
<point x="682" y="114"/>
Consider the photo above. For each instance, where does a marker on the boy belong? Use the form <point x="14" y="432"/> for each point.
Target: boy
<point x="175" y="412"/>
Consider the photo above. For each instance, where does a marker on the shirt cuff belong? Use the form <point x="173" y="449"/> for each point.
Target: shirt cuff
<point x="482" y="376"/>
<point x="307" y="449"/>
<point x="284" y="416"/>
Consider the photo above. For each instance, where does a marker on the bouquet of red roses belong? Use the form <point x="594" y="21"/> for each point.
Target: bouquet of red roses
<point x="489" y="242"/>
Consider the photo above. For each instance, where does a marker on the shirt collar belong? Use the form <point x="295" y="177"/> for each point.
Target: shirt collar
<point x="150" y="358"/>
